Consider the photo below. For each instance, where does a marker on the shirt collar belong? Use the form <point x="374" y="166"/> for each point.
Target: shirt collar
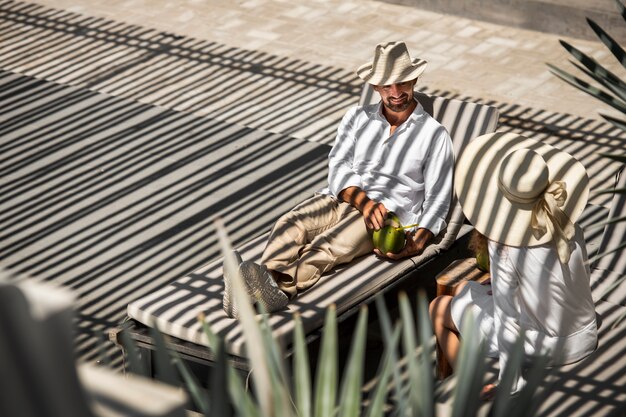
<point x="418" y="112"/>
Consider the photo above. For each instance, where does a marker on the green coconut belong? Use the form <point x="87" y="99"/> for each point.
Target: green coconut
<point x="389" y="239"/>
<point x="482" y="260"/>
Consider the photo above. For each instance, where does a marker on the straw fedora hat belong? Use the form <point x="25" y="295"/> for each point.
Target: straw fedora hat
<point x="392" y="64"/>
<point x="519" y="191"/>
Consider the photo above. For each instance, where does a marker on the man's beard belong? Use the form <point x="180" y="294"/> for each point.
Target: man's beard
<point x="399" y="107"/>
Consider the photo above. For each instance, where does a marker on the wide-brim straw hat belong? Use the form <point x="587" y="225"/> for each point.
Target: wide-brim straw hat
<point x="392" y="64"/>
<point x="501" y="177"/>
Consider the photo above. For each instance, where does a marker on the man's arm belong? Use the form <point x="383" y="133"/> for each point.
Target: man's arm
<point x="438" y="187"/>
<point x="373" y="212"/>
<point x="341" y="174"/>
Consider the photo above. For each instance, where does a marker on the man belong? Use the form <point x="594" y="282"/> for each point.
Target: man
<point x="387" y="157"/>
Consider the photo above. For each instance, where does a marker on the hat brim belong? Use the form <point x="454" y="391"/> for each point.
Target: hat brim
<point x="367" y="73"/>
<point x="492" y="214"/>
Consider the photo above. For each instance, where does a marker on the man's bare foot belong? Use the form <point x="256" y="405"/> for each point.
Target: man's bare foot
<point x="488" y="392"/>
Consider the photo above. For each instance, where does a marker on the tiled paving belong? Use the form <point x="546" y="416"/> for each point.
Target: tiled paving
<point x="111" y="172"/>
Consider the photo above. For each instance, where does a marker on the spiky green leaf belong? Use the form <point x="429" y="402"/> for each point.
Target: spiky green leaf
<point x="608" y="252"/>
<point x="386" y="327"/>
<point x="613" y="46"/>
<point x="615" y="157"/>
<point x="198" y="396"/>
<point x="377" y="403"/>
<point x="218" y="384"/>
<point x="620" y="124"/>
<point x="302" y="374"/>
<point x="326" y="379"/>
<point x="503" y="403"/>
<point x="164" y="367"/>
<point x="597" y="70"/>
<point x="409" y="341"/>
<point x="213" y="339"/>
<point x="588" y="88"/>
<point x="135" y="364"/>
<point x="255" y="346"/>
<point x="350" y="405"/>
<point x="244" y="404"/>
<point x="527" y="403"/>
<point x="425" y="362"/>
<point x="470" y="370"/>
<point x="618" y="90"/>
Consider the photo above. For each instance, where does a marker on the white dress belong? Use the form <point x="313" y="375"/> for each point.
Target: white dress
<point x="533" y="291"/>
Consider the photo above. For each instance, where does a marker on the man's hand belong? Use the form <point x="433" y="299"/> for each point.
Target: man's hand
<point x="373" y="212"/>
<point x="416" y="242"/>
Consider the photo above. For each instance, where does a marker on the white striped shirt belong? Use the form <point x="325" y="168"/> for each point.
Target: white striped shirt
<point x="410" y="172"/>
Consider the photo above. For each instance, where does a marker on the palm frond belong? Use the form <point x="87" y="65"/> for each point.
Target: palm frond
<point x="588" y="88"/>
<point x="620" y="124"/>
<point x="606" y="39"/>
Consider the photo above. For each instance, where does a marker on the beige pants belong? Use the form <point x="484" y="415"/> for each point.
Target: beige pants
<point x="314" y="237"/>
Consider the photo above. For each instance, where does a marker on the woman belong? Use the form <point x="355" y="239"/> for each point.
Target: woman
<point x="524" y="197"/>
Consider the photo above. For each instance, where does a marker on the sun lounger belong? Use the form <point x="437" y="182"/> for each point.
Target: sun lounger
<point x="175" y="307"/>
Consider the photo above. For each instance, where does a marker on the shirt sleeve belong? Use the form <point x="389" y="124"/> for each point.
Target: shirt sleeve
<point x="505" y="284"/>
<point x="438" y="171"/>
<point x="341" y="175"/>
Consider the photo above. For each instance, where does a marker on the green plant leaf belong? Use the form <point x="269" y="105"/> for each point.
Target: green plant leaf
<point x="377" y="403"/>
<point x="255" y="345"/>
<point x="425" y="362"/>
<point x="350" y="405"/>
<point x="608" y="252"/>
<point x="197" y="394"/>
<point x="164" y="368"/>
<point x="603" y="224"/>
<point x="280" y="395"/>
<point x="214" y="341"/>
<point x="218" y="384"/>
<point x="605" y="38"/>
<point x="620" y="124"/>
<point x="598" y="72"/>
<point x="385" y="324"/>
<point x="588" y="88"/>
<point x="302" y="375"/>
<point x="619" y="320"/>
<point x="135" y="364"/>
<point x="612" y="287"/>
<point x="326" y="380"/>
<point x="470" y="370"/>
<point x="610" y="191"/>
<point x="103" y="357"/>
<point x="409" y="339"/>
<point x="243" y="402"/>
<point x="618" y="90"/>
<point x="615" y="157"/>
<point x="504" y="403"/>
<point x="526" y="404"/>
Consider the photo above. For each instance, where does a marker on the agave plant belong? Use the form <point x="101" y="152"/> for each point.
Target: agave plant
<point x="608" y="88"/>
<point x="404" y="380"/>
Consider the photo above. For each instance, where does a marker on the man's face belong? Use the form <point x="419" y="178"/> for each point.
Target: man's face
<point x="396" y="97"/>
